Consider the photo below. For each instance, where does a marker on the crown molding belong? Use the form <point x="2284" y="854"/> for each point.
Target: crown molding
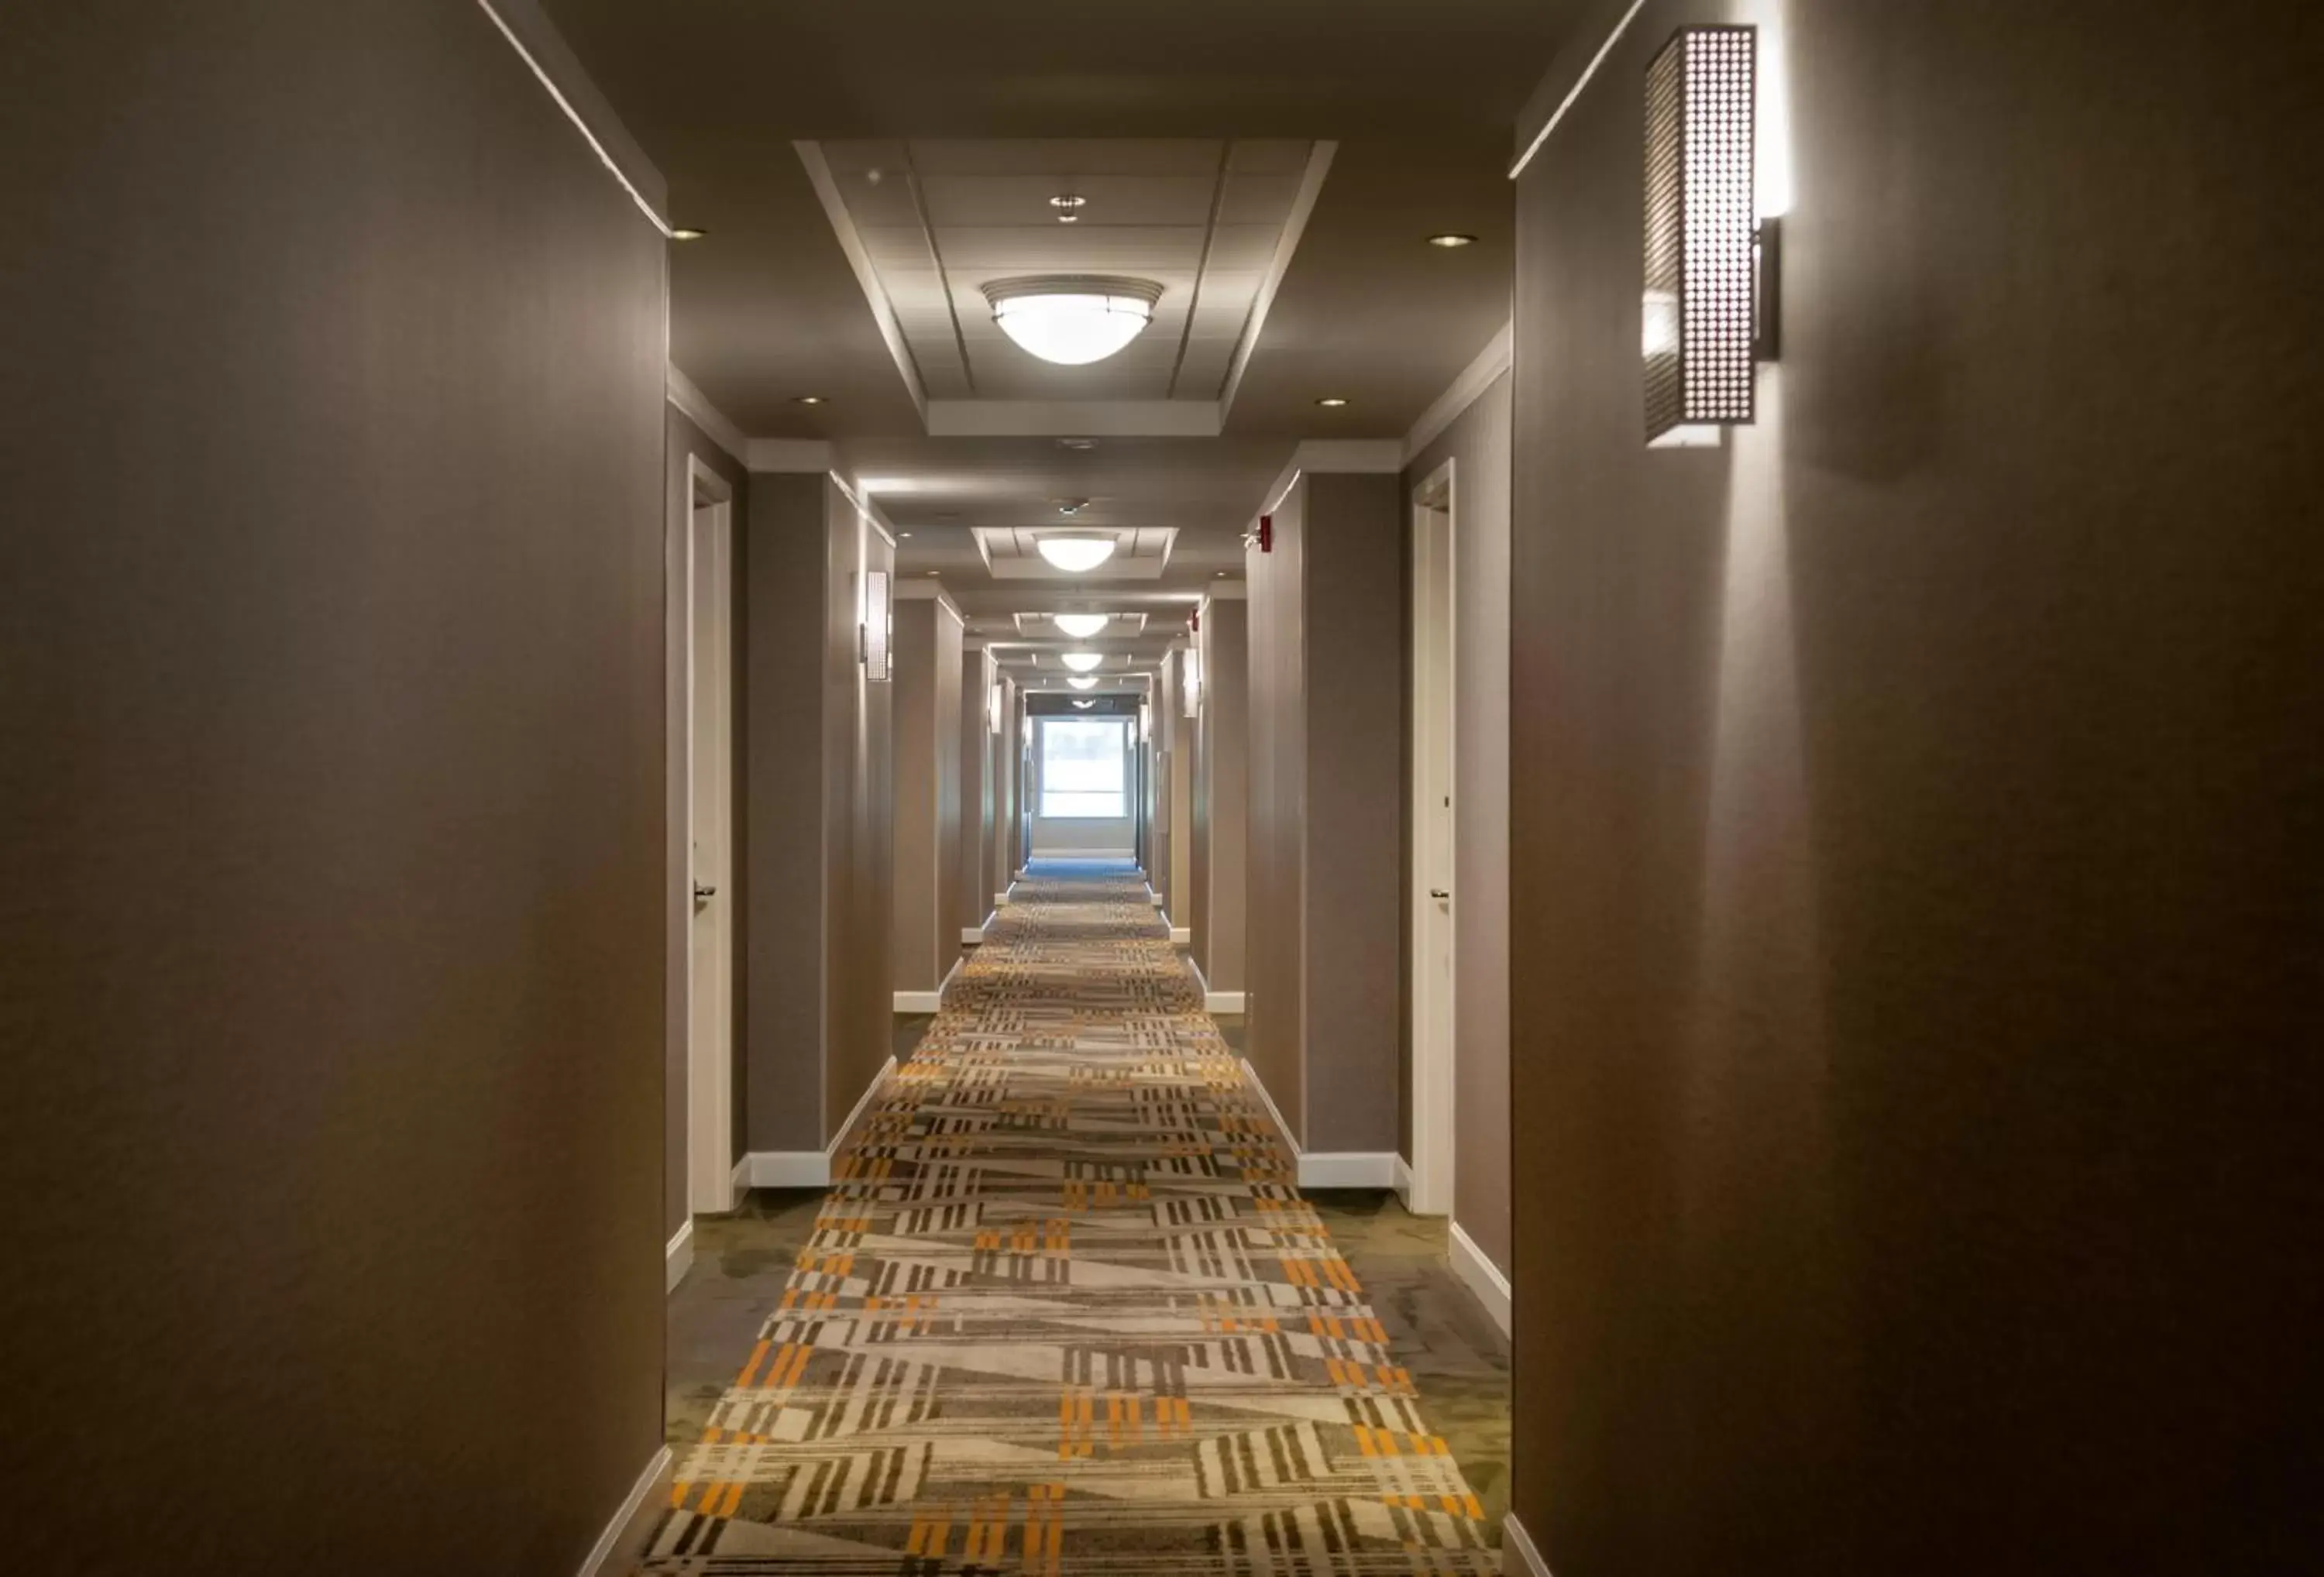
<point x="1480" y="375"/>
<point x="539" y="44"/>
<point x="683" y="393"/>
<point x="1568" y="74"/>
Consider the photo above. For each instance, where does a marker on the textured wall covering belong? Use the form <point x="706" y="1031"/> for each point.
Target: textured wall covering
<point x="1222" y="799"/>
<point x="1915" y="866"/>
<point x="1477" y="445"/>
<point x="332" y="892"/>
<point x="1325" y="874"/>
<point x="926" y="698"/>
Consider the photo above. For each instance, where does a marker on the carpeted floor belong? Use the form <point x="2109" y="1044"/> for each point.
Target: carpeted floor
<point x="1065" y="1310"/>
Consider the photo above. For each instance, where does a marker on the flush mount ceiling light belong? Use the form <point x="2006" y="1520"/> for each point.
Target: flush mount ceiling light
<point x="687" y="233"/>
<point x="1083" y="682"/>
<point x="1079" y="446"/>
<point x="1076" y="552"/>
<point x="1073" y="319"/>
<point x="1083" y="705"/>
<point x="1451" y="239"/>
<point x="1698" y="314"/>
<point x="1081" y="626"/>
<point x="1082" y="662"/>
<point x="1331" y="401"/>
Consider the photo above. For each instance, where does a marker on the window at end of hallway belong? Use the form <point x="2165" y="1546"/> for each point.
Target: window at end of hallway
<point x="1083" y="767"/>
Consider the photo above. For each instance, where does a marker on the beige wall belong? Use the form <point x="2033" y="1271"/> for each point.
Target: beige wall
<point x="1222" y="795"/>
<point x="973" y="884"/>
<point x="1006" y="745"/>
<point x="787" y="977"/>
<point x="332" y="888"/>
<point x="926" y="694"/>
<point x="1916" y="842"/>
<point x="1185" y="738"/>
<point x="1477" y="445"/>
<point x="1326" y="877"/>
<point x="859" y="821"/>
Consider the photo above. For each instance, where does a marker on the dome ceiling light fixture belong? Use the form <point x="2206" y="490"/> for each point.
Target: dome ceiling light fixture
<point x="1081" y="626"/>
<point x="1082" y="662"/>
<point x="1072" y="319"/>
<point x="1083" y="682"/>
<point x="1076" y="552"/>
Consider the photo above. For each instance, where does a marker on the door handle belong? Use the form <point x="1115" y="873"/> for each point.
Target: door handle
<point x="704" y="892"/>
<point x="1438" y="892"/>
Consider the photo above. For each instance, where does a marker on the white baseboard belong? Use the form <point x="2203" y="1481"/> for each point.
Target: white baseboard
<point x="927" y="1002"/>
<point x="1346" y="1170"/>
<point x="812" y="1168"/>
<point x="1182" y="936"/>
<point x="1215" y="1002"/>
<point x="1481" y="1276"/>
<point x="973" y="935"/>
<point x="788" y="1168"/>
<point x="740" y="1183"/>
<point x="1001" y="900"/>
<point x="1250" y="1076"/>
<point x="1404" y="1181"/>
<point x="622" y="1544"/>
<point x="678" y="1256"/>
<point x="1520" y="1558"/>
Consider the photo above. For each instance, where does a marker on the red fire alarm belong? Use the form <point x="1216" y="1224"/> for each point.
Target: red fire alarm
<point x="1267" y="533"/>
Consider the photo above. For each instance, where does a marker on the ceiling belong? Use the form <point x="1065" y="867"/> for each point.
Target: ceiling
<point x="1183" y="125"/>
<point x="939" y="218"/>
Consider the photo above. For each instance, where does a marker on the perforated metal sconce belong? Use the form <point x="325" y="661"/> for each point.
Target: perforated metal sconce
<point x="1702" y="274"/>
<point x="878" y="627"/>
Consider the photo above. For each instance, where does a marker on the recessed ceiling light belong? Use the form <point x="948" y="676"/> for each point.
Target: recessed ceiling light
<point x="807" y="398"/>
<point x="1080" y="446"/>
<point x="1451" y="239"/>
<point x="903" y="536"/>
<point x="1072" y="319"/>
<point x="1073" y="506"/>
<point x="1331" y="401"/>
<point x="687" y="233"/>
<point x="1067" y="200"/>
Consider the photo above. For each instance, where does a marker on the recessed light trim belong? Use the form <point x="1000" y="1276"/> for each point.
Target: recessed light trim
<point x="1451" y="240"/>
<point x="687" y="233"/>
<point x="1331" y="401"/>
<point x="807" y="398"/>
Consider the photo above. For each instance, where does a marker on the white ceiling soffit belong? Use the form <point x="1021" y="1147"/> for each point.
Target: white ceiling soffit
<point x="1010" y="553"/>
<point x="927" y="224"/>
<point x="1119" y="625"/>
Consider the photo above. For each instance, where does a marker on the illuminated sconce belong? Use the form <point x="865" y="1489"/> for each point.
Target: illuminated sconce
<point x="994" y="712"/>
<point x="878" y="625"/>
<point x="1191" y="670"/>
<point x="1704" y="273"/>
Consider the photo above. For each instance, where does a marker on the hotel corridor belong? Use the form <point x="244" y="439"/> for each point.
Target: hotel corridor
<point x="1065" y="1309"/>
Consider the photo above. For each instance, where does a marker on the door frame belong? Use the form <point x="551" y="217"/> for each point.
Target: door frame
<point x="709" y="529"/>
<point x="1434" y="1024"/>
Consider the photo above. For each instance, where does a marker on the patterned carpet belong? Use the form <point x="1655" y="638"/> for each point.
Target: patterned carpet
<point x="1066" y="1312"/>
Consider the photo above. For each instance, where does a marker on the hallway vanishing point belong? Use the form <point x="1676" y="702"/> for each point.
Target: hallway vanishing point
<point x="1065" y="1309"/>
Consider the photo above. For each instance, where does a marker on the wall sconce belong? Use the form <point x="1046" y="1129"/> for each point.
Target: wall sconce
<point x="1706" y="272"/>
<point x="1191" y="670"/>
<point x="878" y="625"/>
<point x="994" y="713"/>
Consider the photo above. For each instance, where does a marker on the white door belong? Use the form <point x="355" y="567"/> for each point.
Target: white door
<point x="1433" y="895"/>
<point x="710" y="984"/>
